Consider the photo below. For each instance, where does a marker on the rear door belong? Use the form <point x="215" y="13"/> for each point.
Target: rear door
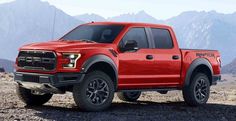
<point x="167" y="57"/>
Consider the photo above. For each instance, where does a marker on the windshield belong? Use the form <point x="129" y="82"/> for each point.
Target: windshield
<point x="96" y="33"/>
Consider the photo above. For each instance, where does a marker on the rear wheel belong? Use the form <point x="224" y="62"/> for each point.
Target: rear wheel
<point x="95" y="93"/>
<point x="197" y="93"/>
<point x="163" y="92"/>
<point x="130" y="96"/>
<point x="30" y="98"/>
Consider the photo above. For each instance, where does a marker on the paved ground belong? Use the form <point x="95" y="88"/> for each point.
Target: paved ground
<point x="151" y="106"/>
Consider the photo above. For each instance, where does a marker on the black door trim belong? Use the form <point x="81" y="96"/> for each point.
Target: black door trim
<point x="150" y="38"/>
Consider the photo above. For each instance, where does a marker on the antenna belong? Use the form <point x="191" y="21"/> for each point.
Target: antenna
<point x="53" y="25"/>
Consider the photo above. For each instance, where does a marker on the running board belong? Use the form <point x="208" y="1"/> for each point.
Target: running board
<point x="146" y="90"/>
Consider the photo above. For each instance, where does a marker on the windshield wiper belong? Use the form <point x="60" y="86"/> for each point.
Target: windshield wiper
<point x="83" y="40"/>
<point x="62" y="40"/>
<point x="87" y="40"/>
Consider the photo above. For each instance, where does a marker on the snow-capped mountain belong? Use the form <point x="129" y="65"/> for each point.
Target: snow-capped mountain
<point x="27" y="21"/>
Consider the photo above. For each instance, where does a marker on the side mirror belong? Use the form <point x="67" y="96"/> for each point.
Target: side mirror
<point x="130" y="45"/>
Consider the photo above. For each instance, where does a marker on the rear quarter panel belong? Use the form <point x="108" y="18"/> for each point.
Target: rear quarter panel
<point x="189" y="56"/>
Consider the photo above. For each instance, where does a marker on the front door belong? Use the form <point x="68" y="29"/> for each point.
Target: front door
<point x="135" y="67"/>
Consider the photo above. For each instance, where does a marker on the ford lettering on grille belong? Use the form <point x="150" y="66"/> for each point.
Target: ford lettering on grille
<point x="37" y="60"/>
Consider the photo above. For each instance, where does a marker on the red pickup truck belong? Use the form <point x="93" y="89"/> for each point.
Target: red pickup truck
<point x="97" y="59"/>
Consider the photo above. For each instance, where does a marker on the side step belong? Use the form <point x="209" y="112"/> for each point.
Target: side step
<point x="160" y="90"/>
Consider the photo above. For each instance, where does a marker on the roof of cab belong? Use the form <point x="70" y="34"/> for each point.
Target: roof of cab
<point x="129" y="24"/>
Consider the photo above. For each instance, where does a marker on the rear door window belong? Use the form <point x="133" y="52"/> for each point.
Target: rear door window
<point x="162" y="38"/>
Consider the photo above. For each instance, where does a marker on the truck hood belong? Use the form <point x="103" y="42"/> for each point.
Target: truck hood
<point x="61" y="46"/>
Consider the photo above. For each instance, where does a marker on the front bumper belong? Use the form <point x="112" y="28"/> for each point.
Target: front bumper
<point x="215" y="79"/>
<point x="47" y="82"/>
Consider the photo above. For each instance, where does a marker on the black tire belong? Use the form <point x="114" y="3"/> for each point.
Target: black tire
<point x="130" y="96"/>
<point x="30" y="99"/>
<point x="163" y="92"/>
<point x="95" y="92"/>
<point x="198" y="92"/>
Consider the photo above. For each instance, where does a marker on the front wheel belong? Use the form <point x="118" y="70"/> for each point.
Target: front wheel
<point x="30" y="98"/>
<point x="95" y="93"/>
<point x="197" y="93"/>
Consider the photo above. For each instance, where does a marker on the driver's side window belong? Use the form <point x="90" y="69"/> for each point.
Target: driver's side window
<point x="138" y="35"/>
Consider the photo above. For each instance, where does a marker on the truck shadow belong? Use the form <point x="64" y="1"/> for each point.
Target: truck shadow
<point x="142" y="110"/>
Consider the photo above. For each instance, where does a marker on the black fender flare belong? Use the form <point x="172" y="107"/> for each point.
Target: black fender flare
<point x="100" y="58"/>
<point x="193" y="66"/>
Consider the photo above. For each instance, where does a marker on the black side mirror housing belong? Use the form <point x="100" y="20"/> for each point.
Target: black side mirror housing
<point x="130" y="45"/>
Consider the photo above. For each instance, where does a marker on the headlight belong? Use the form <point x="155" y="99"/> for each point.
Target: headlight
<point x="72" y="57"/>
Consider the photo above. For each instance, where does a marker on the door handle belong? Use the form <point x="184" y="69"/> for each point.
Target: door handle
<point x="175" y="57"/>
<point x="149" y="57"/>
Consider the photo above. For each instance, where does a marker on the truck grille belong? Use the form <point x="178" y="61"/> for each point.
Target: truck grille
<point x="37" y="60"/>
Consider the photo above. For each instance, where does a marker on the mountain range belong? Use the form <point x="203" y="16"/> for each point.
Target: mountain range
<point x="7" y="65"/>
<point x="229" y="68"/>
<point x="27" y="21"/>
<point x="195" y="30"/>
<point x="90" y="17"/>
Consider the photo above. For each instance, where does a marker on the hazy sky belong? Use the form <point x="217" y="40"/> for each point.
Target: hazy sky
<point x="160" y="9"/>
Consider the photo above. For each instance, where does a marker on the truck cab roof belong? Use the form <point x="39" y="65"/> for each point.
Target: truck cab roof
<point x="129" y="24"/>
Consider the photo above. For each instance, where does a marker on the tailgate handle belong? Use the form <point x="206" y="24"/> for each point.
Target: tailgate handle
<point x="175" y="57"/>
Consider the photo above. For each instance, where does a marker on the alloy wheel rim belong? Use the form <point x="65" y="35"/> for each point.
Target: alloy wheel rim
<point x="97" y="91"/>
<point x="201" y="89"/>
